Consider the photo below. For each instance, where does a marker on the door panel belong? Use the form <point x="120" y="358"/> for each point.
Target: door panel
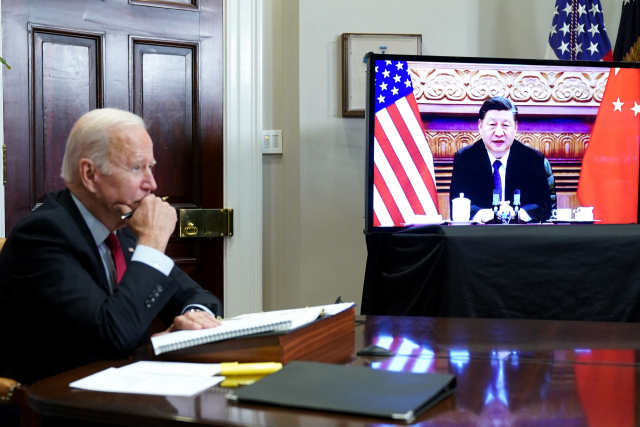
<point x="66" y="82"/>
<point x="71" y="56"/>
<point x="166" y="96"/>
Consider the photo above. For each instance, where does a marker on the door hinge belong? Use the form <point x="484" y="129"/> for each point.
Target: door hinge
<point x="4" y="164"/>
<point x="205" y="223"/>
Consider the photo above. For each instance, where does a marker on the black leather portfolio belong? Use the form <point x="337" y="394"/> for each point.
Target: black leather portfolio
<point x="349" y="389"/>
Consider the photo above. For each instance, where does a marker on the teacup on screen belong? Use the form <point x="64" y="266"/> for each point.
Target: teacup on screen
<point x="561" y="214"/>
<point x="584" y="213"/>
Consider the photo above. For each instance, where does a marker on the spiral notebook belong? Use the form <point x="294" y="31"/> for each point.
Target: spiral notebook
<point x="234" y="328"/>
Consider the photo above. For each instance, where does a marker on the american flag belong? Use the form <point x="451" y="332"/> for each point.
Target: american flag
<point x="578" y="33"/>
<point x="404" y="184"/>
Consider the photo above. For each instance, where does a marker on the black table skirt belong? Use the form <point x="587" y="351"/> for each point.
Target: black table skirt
<point x="562" y="272"/>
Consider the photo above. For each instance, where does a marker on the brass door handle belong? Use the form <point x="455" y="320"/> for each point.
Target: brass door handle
<point x="190" y="229"/>
<point x="207" y="223"/>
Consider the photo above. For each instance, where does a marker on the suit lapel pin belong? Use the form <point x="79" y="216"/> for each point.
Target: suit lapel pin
<point x="130" y="249"/>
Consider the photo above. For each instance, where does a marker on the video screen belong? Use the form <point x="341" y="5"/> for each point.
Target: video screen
<point x="492" y="141"/>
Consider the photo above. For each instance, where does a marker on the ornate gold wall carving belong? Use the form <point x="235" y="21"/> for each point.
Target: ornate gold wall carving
<point x="634" y="53"/>
<point x="468" y="84"/>
<point x="552" y="145"/>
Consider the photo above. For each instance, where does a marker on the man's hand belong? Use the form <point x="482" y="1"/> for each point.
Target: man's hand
<point x="192" y="320"/>
<point x="153" y="222"/>
<point x="487" y="215"/>
<point x="506" y="207"/>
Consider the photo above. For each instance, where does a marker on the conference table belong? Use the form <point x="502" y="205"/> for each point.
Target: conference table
<point x="544" y="271"/>
<point x="510" y="372"/>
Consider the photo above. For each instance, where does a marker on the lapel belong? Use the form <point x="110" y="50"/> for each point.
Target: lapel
<point x="127" y="242"/>
<point x="69" y="205"/>
<point x="512" y="169"/>
<point x="484" y="171"/>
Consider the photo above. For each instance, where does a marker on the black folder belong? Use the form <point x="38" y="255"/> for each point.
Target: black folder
<point x="350" y="389"/>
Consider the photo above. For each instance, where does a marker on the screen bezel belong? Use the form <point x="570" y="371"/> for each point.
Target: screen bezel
<point x="370" y="107"/>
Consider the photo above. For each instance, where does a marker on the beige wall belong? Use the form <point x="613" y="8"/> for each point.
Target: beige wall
<point x="281" y="173"/>
<point x="313" y="246"/>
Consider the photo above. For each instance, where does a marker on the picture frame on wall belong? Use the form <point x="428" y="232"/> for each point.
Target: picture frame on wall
<point x="354" y="64"/>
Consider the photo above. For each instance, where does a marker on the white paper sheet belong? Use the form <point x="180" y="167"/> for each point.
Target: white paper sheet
<point x="173" y="368"/>
<point x="329" y="310"/>
<point x="116" y="380"/>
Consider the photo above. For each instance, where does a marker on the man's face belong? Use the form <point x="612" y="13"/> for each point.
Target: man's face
<point x="131" y="177"/>
<point x="498" y="129"/>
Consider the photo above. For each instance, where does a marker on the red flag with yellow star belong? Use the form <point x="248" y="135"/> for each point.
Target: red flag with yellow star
<point x="609" y="175"/>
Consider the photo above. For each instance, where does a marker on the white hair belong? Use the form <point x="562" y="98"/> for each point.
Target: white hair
<point x="90" y="138"/>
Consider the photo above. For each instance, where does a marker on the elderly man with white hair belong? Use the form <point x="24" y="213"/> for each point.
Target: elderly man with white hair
<point x="79" y="283"/>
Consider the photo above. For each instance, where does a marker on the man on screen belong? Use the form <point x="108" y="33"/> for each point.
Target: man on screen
<point x="500" y="162"/>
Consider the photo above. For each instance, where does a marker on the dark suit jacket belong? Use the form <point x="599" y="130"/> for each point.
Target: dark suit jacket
<point x="527" y="171"/>
<point x="56" y="311"/>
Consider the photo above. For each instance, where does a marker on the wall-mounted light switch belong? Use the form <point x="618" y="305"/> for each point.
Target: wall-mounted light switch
<point x="271" y="142"/>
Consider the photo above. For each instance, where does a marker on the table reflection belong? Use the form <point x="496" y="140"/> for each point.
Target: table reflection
<point x="578" y="387"/>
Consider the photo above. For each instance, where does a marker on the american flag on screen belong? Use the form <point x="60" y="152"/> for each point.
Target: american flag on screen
<point x="404" y="183"/>
<point x="578" y="33"/>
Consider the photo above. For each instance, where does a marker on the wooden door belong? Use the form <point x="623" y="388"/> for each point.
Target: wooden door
<point x="159" y="59"/>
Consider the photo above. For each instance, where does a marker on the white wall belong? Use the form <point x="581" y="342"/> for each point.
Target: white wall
<point x="313" y="195"/>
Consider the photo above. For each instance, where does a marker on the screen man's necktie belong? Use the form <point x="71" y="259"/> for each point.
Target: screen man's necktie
<point x="497" y="181"/>
<point x="113" y="244"/>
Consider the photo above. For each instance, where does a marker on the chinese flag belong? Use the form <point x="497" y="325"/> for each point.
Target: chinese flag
<point x="609" y="176"/>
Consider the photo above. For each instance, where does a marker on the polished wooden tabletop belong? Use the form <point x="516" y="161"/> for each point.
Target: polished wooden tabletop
<point x="510" y="373"/>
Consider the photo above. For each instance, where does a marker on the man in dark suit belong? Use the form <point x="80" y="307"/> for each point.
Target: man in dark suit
<point x="79" y="283"/>
<point x="500" y="162"/>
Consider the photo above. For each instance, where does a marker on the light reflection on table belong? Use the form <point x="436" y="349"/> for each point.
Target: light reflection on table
<point x="523" y="388"/>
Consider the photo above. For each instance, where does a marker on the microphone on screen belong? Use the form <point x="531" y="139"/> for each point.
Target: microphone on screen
<point x="496" y="205"/>
<point x="516" y="205"/>
<point x="516" y="200"/>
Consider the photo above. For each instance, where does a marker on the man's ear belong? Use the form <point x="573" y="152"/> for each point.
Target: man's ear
<point x="88" y="171"/>
<point x="480" y="126"/>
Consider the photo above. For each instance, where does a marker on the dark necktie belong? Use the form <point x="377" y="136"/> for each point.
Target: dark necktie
<point x="497" y="182"/>
<point x="113" y="244"/>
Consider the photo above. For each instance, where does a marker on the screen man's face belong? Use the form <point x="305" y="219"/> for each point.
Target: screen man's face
<point x="498" y="129"/>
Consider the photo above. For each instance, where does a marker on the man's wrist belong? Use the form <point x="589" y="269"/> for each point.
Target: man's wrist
<point x="153" y="242"/>
<point x="197" y="307"/>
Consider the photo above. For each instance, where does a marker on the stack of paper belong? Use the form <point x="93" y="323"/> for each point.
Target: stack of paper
<point x="248" y="324"/>
<point x="158" y="378"/>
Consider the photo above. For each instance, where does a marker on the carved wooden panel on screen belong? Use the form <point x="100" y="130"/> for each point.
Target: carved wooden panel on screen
<point x="66" y="82"/>
<point x="164" y="92"/>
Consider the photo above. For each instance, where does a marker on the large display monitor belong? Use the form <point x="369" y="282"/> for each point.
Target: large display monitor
<point x="574" y="141"/>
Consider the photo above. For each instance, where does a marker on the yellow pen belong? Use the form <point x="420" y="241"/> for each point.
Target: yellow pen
<point x="235" y="368"/>
<point x="238" y="381"/>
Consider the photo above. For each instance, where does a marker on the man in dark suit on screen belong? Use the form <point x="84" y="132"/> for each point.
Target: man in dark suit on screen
<point x="500" y="162"/>
<point x="79" y="283"/>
